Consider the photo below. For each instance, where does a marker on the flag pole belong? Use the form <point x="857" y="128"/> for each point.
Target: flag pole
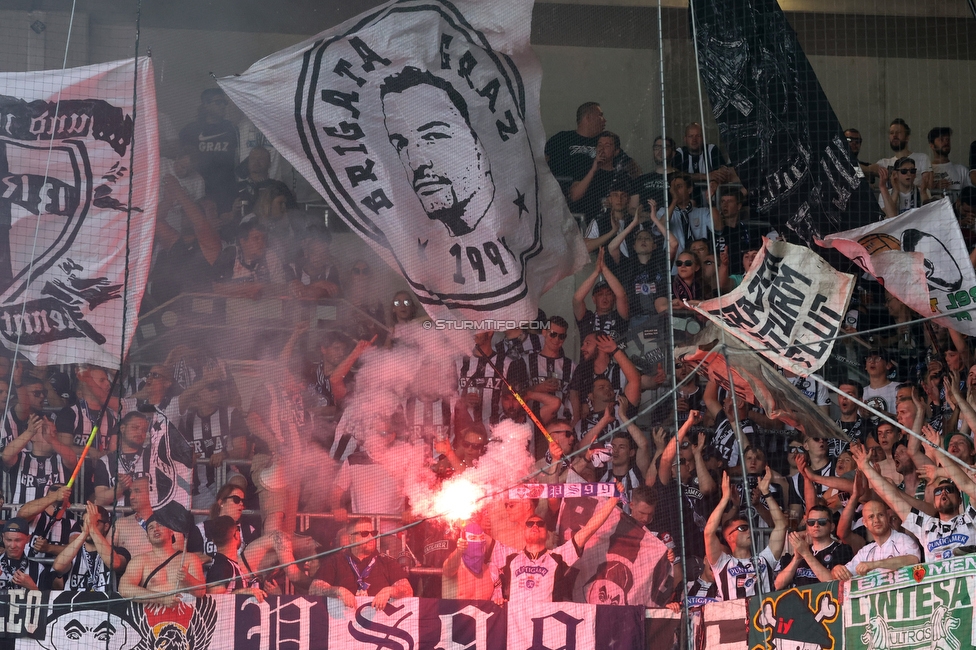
<point x="518" y="398"/>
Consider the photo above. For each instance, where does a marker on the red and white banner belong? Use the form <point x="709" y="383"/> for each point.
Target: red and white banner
<point x="67" y="175"/>
<point x="789" y="307"/>
<point x="419" y="123"/>
<point x="919" y="256"/>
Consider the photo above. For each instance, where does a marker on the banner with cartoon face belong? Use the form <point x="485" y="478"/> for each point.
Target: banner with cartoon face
<point x="71" y="143"/>
<point x="919" y="256"/>
<point x="419" y="123"/>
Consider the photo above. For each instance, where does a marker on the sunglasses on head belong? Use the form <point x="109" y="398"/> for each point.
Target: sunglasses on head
<point x="907" y="172"/>
<point x="685" y="444"/>
<point x="538" y="523"/>
<point x="236" y="499"/>
<point x="947" y="489"/>
<point x="401" y="303"/>
<point x="364" y="533"/>
<point x="157" y="375"/>
<point x="38" y="393"/>
<point x="558" y="335"/>
<point x="472" y="445"/>
<point x="685" y="263"/>
<point x="797" y="450"/>
<point x="357" y="270"/>
<point x="857" y="140"/>
<point x="817" y="522"/>
<point x="741" y="528"/>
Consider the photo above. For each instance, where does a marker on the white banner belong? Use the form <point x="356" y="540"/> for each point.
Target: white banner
<point x="789" y="306"/>
<point x="921" y="258"/>
<point x="419" y="123"/>
<point x="66" y="141"/>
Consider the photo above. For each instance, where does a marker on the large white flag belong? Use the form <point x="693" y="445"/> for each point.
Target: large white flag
<point x="419" y="123"/>
<point x="66" y="143"/>
<point x="921" y="258"/>
<point x="789" y="307"/>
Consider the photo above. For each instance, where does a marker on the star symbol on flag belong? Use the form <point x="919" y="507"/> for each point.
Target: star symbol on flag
<point x="520" y="202"/>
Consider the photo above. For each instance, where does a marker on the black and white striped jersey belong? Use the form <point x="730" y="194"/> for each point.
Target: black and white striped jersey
<point x="32" y="475"/>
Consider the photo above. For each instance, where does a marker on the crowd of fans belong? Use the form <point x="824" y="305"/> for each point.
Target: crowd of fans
<point x="739" y="506"/>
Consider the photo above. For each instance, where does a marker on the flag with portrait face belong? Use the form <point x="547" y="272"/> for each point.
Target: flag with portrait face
<point x="418" y="122"/>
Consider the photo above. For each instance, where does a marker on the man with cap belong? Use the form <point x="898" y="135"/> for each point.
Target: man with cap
<point x="84" y="563"/>
<point x="611" y="308"/>
<point x="224" y="576"/>
<point x="361" y="571"/>
<point x="16" y="569"/>
<point x="536" y="574"/>
<point x="613" y="219"/>
<point x="880" y="394"/>
<point x="938" y="534"/>
<point x="157" y="576"/>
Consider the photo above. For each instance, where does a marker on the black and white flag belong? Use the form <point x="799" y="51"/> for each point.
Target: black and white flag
<point x="789" y="307"/>
<point x="419" y="123"/>
<point x="66" y="178"/>
<point x="776" y="123"/>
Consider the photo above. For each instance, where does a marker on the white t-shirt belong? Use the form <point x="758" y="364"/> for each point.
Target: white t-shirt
<point x="903" y="200"/>
<point x="922" y="164"/>
<point x="535" y="580"/>
<point x="882" y="399"/>
<point x="896" y="545"/>
<point x="957" y="175"/>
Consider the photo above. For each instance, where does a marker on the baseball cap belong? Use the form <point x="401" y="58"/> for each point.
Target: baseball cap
<point x="17" y="525"/>
<point x="878" y="352"/>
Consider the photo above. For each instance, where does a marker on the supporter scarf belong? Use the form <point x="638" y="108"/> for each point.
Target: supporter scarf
<point x="474" y="555"/>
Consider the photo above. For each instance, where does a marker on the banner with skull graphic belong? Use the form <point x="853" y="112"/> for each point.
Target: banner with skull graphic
<point x="77" y="158"/>
<point x="419" y="123"/>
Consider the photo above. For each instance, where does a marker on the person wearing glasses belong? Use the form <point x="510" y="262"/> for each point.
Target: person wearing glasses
<point x="361" y="571"/>
<point x="937" y="522"/>
<point x="731" y="555"/>
<point x="537" y="574"/>
<point x="854" y="141"/>
<point x="815" y="552"/>
<point x="900" y="194"/>
<point x="550" y="370"/>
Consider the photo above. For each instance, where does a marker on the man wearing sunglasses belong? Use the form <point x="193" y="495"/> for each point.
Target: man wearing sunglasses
<point x="536" y="574"/>
<point x="731" y="555"/>
<point x="938" y="524"/>
<point x="361" y="571"/>
<point x="550" y="370"/>
<point x="816" y="552"/>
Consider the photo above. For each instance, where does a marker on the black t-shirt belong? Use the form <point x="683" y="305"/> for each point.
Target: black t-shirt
<point x="833" y="555"/>
<point x="337" y="571"/>
<point x="570" y="156"/>
<point x="644" y="283"/>
<point x="650" y="186"/>
<point x="216" y="145"/>
<point x="737" y="241"/>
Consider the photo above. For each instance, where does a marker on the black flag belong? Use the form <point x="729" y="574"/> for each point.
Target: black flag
<point x="775" y="121"/>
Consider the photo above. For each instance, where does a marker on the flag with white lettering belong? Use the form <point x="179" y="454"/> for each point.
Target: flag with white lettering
<point x="789" y="307"/>
<point x="77" y="158"/>
<point x="419" y="123"/>
<point x="919" y="256"/>
<point x="622" y="564"/>
<point x="781" y="134"/>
